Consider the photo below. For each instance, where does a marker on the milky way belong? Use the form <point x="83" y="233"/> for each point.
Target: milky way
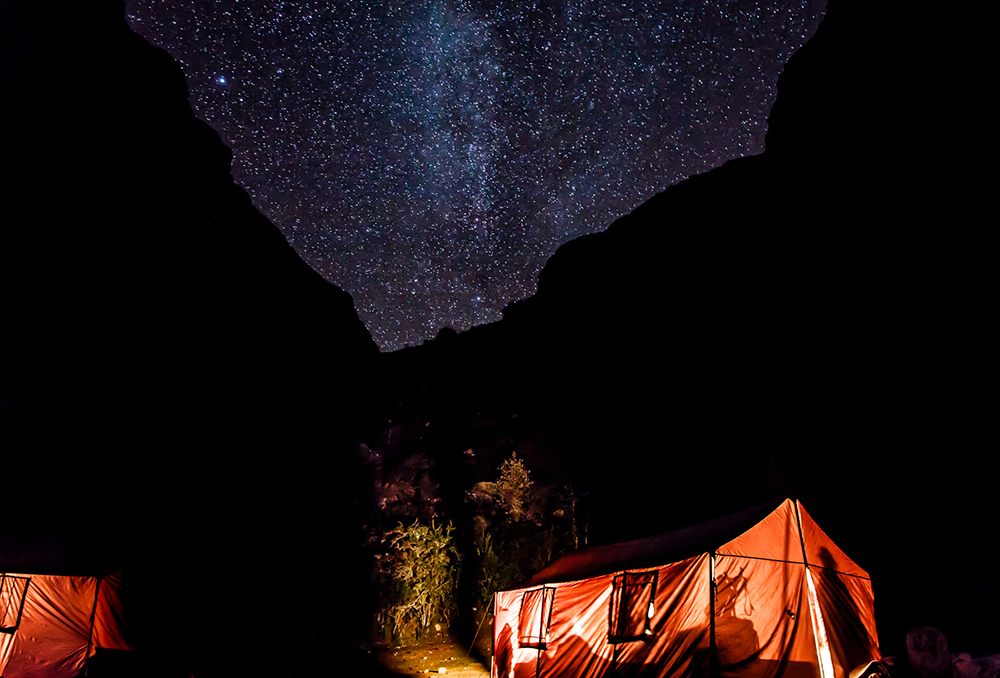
<point x="428" y="157"/>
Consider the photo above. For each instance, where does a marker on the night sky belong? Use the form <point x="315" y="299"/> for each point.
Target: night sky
<point x="428" y="157"/>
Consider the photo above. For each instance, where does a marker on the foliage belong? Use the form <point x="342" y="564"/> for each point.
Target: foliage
<point x="518" y="525"/>
<point x="418" y="577"/>
<point x="513" y="487"/>
<point x="498" y="568"/>
<point x="535" y="524"/>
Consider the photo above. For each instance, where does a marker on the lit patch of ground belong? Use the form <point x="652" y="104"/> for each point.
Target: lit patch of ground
<point x="429" y="658"/>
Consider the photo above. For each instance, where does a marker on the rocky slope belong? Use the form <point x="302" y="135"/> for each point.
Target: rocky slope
<point x="809" y="321"/>
<point x="175" y="382"/>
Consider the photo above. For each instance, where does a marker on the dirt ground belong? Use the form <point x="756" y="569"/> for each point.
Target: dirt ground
<point x="429" y="658"/>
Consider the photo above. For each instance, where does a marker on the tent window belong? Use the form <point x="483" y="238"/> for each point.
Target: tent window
<point x="533" y="620"/>
<point x="631" y="610"/>
<point x="12" y="592"/>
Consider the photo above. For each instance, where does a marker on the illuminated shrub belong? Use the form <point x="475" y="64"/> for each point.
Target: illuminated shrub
<point x="417" y="576"/>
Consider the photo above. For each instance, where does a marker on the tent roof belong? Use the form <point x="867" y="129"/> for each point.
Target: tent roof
<point x="761" y="531"/>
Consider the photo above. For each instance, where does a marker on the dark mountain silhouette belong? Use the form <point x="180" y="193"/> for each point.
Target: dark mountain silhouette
<point x="810" y="321"/>
<point x="176" y="382"/>
<point x="125" y="236"/>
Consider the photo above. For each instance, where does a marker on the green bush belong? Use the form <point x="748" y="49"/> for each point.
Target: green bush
<point x="417" y="576"/>
<point x="498" y="567"/>
<point x="519" y="532"/>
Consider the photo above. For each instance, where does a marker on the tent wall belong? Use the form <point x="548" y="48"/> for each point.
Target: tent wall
<point x="110" y="624"/>
<point x="763" y="625"/>
<point x="578" y="643"/>
<point x="787" y="603"/>
<point x="63" y="621"/>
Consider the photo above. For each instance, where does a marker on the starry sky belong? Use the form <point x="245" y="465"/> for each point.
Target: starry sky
<point x="428" y="156"/>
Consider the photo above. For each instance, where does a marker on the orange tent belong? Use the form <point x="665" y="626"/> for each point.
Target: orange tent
<point x="764" y="593"/>
<point x="51" y="626"/>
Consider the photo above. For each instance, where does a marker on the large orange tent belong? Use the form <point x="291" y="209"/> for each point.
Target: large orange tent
<point x="760" y="594"/>
<point x="51" y="626"/>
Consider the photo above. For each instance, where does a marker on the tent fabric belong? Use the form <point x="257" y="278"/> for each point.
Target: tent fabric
<point x="774" y="597"/>
<point x="52" y="625"/>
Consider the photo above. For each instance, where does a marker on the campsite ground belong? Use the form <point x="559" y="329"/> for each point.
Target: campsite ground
<point x="429" y="658"/>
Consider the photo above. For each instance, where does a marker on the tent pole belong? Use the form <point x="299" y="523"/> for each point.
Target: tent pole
<point x="823" y="658"/>
<point x="538" y="647"/>
<point x="90" y="636"/>
<point x="802" y="537"/>
<point x="713" y="659"/>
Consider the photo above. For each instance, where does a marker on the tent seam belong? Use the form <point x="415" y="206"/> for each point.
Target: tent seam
<point x="793" y="562"/>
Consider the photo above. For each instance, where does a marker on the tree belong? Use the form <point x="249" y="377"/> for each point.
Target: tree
<point x="513" y="487"/>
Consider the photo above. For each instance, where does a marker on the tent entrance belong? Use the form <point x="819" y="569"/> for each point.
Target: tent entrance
<point x="12" y="592"/>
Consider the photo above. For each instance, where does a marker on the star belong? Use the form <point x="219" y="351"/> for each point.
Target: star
<point x="430" y="157"/>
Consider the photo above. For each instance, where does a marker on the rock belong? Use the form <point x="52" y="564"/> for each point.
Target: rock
<point x="930" y="658"/>
<point x="927" y="649"/>
<point x="963" y="665"/>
